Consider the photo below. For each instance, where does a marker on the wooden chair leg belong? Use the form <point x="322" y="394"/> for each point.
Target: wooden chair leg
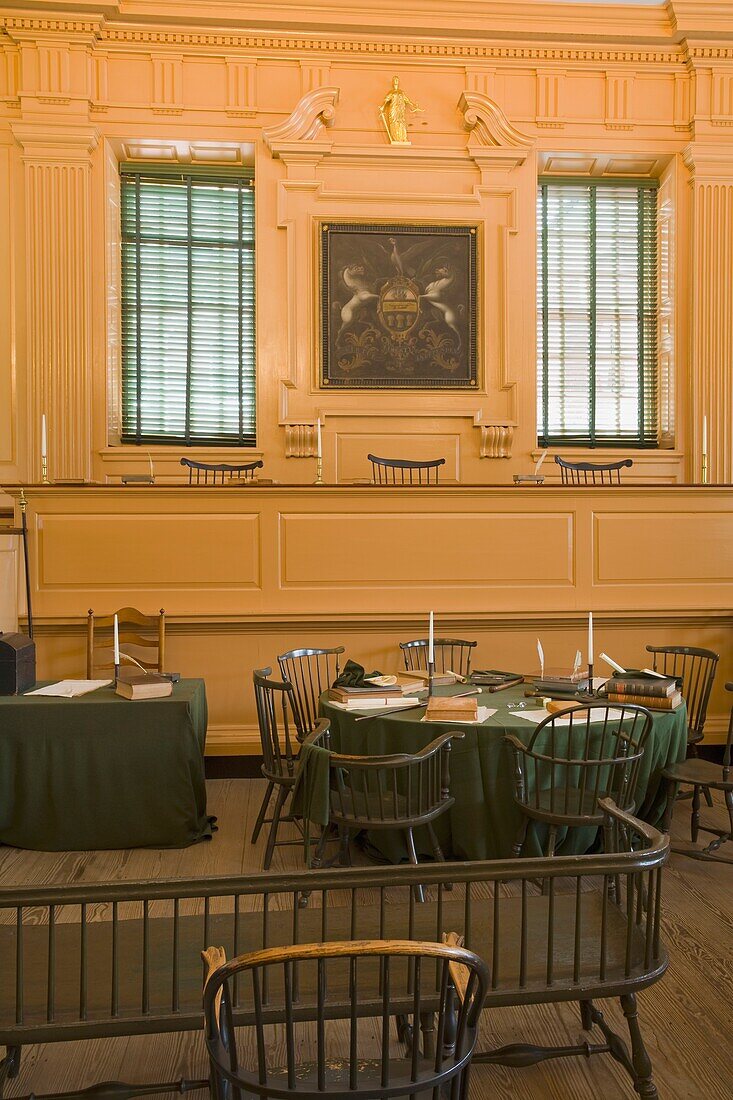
<point x="708" y="796"/>
<point x="412" y="853"/>
<point x="695" y="819"/>
<point x="521" y="837"/>
<point x="282" y="794"/>
<point x="344" y="851"/>
<point x="435" y="844"/>
<point x="643" y="1083"/>
<point x="263" y="812"/>
<point x="586" y="1017"/>
<point x="427" y="1027"/>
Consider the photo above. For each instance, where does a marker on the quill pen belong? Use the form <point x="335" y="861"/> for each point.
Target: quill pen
<point x="541" y="655"/>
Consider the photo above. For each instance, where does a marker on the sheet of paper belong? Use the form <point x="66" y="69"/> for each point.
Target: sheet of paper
<point x="483" y="714"/>
<point x="596" y="715"/>
<point x="70" y="689"/>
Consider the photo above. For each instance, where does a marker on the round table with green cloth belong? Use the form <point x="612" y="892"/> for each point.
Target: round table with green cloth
<point x="484" y="820"/>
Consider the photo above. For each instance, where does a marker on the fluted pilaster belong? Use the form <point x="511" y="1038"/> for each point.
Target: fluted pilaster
<point x="58" y="285"/>
<point x="711" y="390"/>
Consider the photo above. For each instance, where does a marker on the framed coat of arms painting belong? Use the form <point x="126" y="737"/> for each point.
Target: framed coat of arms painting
<point x="398" y="306"/>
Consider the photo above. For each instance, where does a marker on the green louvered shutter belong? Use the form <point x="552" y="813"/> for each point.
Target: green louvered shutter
<point x="188" y="308"/>
<point x="597" y="313"/>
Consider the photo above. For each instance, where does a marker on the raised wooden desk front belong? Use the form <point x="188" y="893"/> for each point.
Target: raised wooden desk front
<point x="246" y="572"/>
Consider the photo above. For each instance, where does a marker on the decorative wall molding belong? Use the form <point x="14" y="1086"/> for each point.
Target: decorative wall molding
<point x="549" y="90"/>
<point x="241" y="87"/>
<point x="167" y="84"/>
<point x="496" y="440"/>
<point x="57" y="165"/>
<point x="710" y="389"/>
<point x="301" y="440"/>
<point x="619" y="86"/>
<point x="488" y="125"/>
<point x="307" y="121"/>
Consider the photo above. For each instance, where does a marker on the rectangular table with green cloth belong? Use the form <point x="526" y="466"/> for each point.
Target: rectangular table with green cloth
<point x="100" y="771"/>
<point x="484" y="821"/>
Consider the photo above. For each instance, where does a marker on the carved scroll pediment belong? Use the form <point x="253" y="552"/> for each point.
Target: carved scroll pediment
<point x="491" y="134"/>
<point x="312" y="114"/>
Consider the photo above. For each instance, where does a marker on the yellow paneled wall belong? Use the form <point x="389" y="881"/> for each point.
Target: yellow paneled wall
<point x="298" y="95"/>
<point x="508" y="93"/>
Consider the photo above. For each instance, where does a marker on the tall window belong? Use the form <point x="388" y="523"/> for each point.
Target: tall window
<point x="188" y="344"/>
<point x="597" y="313"/>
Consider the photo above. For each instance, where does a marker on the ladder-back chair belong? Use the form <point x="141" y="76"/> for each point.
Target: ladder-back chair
<point x="401" y="471"/>
<point x="216" y="473"/>
<point x="450" y="653"/>
<point x="696" y="669"/>
<point x="573" y="759"/>
<point x="138" y="632"/>
<point x="591" y="473"/>
<point x="311" y="672"/>
<point x="318" y="1057"/>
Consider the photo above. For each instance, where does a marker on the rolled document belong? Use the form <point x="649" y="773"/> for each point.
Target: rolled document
<point x="610" y="661"/>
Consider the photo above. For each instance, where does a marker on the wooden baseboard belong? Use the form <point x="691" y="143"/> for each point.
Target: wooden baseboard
<point x="233" y="741"/>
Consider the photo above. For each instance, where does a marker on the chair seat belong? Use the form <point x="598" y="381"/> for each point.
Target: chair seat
<point x="703" y="773"/>
<point x="368" y="811"/>
<point x="572" y="806"/>
<point x="337" y="1076"/>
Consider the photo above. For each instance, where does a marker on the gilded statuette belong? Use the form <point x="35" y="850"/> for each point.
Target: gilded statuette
<point x="393" y="113"/>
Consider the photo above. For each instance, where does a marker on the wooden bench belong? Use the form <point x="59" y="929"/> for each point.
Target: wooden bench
<point x="92" y="961"/>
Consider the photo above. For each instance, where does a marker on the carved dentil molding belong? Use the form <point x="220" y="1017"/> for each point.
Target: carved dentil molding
<point x="312" y="114"/>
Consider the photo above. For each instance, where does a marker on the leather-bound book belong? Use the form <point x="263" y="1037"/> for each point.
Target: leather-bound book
<point x="134" y="684"/>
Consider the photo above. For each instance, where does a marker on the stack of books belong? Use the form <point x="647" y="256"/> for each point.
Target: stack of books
<point x="654" y="692"/>
<point x="443" y="708"/>
<point x="371" y="695"/>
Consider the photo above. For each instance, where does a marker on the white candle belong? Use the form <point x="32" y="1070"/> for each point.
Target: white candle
<point x="705" y="435"/>
<point x="319" y="450"/>
<point x="590" y="637"/>
<point x="116" y="643"/>
<point x="431" y="642"/>
<point x="43" y="436"/>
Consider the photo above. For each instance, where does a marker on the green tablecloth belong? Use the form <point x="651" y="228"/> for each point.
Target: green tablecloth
<point x="100" y="771"/>
<point x="484" y="821"/>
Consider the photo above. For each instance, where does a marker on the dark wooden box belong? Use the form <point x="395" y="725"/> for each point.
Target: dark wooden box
<point x="17" y="664"/>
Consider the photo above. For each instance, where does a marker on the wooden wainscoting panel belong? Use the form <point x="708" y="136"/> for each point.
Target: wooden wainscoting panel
<point x="655" y="548"/>
<point x="141" y="551"/>
<point x="442" y="549"/>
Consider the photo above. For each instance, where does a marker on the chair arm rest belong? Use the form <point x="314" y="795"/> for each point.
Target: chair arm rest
<point x="654" y="838"/>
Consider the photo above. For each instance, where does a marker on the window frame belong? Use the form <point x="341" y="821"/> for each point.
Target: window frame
<point x="642" y="440"/>
<point x="212" y="174"/>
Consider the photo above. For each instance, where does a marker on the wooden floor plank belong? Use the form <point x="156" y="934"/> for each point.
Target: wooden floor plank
<point x="687" y="1018"/>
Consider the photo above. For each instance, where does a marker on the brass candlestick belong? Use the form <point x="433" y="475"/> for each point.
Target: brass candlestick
<point x="319" y="470"/>
<point x="44" y="470"/>
<point x="704" y="468"/>
<point x="431" y="674"/>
